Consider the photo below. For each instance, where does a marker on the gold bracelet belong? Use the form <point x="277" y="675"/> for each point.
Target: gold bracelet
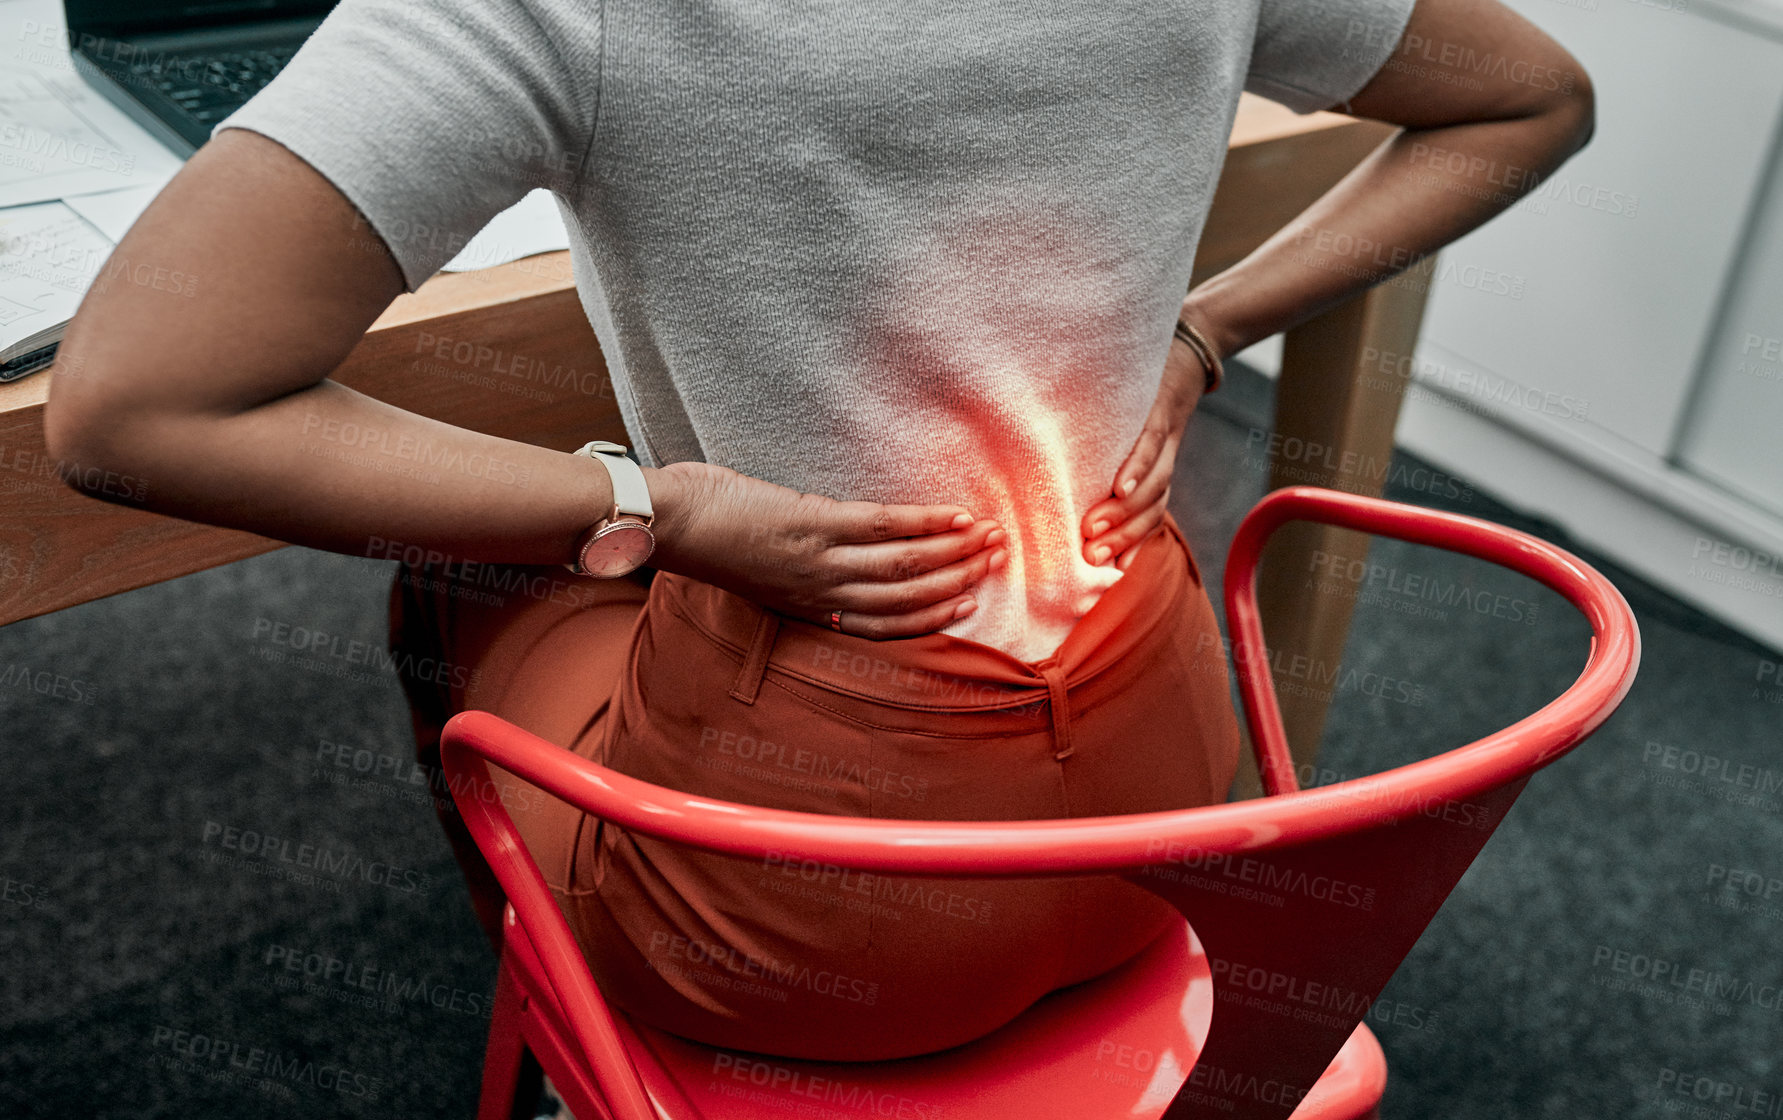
<point x="1216" y="372"/>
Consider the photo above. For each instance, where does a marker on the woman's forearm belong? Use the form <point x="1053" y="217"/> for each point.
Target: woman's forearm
<point x="1399" y="206"/>
<point x="332" y="468"/>
<point x="1465" y="156"/>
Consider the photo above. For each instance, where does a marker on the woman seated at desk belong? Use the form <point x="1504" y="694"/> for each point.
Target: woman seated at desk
<point x="893" y="301"/>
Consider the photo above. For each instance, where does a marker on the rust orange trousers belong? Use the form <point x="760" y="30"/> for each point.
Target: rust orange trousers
<point x="680" y="683"/>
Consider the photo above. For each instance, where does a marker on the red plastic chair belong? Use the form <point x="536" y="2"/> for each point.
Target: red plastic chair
<point x="1339" y="883"/>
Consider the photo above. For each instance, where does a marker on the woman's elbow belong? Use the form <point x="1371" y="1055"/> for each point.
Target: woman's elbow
<point x="86" y="430"/>
<point x="1574" y="109"/>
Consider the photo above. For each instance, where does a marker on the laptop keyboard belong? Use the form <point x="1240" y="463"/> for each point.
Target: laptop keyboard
<point x="209" y="85"/>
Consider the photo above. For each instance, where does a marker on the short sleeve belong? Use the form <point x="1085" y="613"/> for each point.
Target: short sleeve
<point x="1314" y="54"/>
<point x="433" y="116"/>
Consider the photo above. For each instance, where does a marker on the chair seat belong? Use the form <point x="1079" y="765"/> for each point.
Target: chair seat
<point x="1119" y="1045"/>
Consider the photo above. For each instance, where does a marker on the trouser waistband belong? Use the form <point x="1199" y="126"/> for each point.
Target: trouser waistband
<point x="939" y="671"/>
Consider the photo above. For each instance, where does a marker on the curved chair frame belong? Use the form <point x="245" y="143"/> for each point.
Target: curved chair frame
<point x="1413" y="829"/>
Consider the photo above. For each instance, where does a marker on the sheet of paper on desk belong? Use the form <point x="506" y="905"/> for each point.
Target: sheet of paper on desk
<point x="60" y="138"/>
<point x="530" y="226"/>
<point x="49" y="256"/>
<point x="114" y="212"/>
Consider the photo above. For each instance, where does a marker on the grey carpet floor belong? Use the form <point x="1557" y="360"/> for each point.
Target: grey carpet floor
<point x="172" y="725"/>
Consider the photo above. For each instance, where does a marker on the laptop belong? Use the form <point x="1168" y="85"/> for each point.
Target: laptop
<point x="177" y="67"/>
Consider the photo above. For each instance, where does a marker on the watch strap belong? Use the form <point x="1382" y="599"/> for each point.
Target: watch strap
<point x="630" y="493"/>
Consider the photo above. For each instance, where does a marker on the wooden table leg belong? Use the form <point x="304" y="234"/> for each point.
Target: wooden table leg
<point x="1343" y="377"/>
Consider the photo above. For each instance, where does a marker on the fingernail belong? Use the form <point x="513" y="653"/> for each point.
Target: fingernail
<point x="965" y="608"/>
<point x="999" y="558"/>
<point x="1126" y="559"/>
<point x="996" y="537"/>
<point x="1098" y="528"/>
<point x="961" y="520"/>
<point x="1100" y="553"/>
<point x="1128" y="486"/>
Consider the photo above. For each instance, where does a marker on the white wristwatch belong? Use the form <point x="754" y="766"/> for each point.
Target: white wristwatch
<point x="618" y="542"/>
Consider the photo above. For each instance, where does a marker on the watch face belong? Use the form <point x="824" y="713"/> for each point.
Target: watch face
<point x="617" y="549"/>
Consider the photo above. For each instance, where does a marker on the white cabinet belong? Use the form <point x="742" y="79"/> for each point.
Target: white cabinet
<point x="1618" y="261"/>
<point x="1734" y="434"/>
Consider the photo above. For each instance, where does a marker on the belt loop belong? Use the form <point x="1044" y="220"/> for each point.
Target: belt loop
<point x="1061" y="711"/>
<point x="767" y="628"/>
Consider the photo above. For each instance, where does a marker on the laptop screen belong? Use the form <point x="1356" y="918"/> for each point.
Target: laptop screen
<point x="141" y="17"/>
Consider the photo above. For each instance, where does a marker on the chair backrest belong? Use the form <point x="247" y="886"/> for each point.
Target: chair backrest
<point x="1306" y="901"/>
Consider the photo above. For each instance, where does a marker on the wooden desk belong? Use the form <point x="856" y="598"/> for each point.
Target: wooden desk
<point x="58" y="548"/>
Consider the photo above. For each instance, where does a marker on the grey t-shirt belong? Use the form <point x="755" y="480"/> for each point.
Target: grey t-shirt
<point x="926" y="251"/>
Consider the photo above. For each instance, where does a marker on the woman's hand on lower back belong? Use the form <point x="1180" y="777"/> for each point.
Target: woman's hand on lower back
<point x="1114" y="526"/>
<point x="896" y="570"/>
